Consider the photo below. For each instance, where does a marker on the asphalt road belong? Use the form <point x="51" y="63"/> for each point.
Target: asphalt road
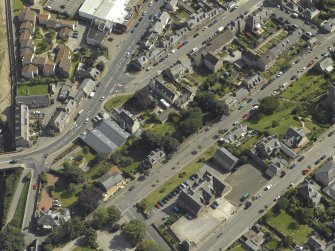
<point x="231" y="230"/>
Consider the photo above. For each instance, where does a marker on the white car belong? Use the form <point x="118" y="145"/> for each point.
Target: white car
<point x="150" y="4"/>
<point x="258" y="196"/>
<point x="291" y="185"/>
<point x="102" y="98"/>
<point x="268" y="187"/>
<point x="277" y="197"/>
<point x="285" y="84"/>
<point x="274" y="93"/>
<point x="255" y="107"/>
<point x="86" y="120"/>
<point x="128" y="54"/>
<point x="304" y="68"/>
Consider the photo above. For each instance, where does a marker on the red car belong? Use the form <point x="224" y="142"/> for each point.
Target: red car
<point x="305" y="171"/>
<point x="35" y="186"/>
<point x="157" y="206"/>
<point x="245" y="116"/>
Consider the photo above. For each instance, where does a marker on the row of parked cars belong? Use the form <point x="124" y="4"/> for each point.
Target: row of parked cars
<point x="175" y="191"/>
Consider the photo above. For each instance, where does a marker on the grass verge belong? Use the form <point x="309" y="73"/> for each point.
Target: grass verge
<point x="117" y="101"/>
<point x="17" y="220"/>
<point x="27" y="90"/>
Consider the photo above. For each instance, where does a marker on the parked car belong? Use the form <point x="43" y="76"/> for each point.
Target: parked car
<point x="277" y="197"/>
<point x="331" y="134"/>
<point x="323" y="157"/>
<point x="305" y="171"/>
<point x="301" y="158"/>
<point x="13" y="161"/>
<point x="268" y="187"/>
<point x="293" y="165"/>
<point x="282" y="174"/>
<point x="35" y="186"/>
<point x="131" y="188"/>
<point x="175" y="209"/>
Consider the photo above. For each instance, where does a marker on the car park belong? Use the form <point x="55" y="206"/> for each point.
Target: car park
<point x="132" y="30"/>
<point x="241" y="107"/>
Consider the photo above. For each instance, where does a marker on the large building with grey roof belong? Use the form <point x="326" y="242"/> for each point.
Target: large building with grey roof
<point x="201" y="194"/>
<point x="225" y="159"/>
<point x="106" y="137"/>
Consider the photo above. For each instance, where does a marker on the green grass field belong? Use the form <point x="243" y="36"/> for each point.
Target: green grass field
<point x="164" y="189"/>
<point x="116" y="102"/>
<point x="282" y="221"/>
<point x="24" y="90"/>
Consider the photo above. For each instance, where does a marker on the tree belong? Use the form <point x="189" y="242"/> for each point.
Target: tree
<point x="142" y="99"/>
<point x="86" y="150"/>
<point x="100" y="218"/>
<point x="11" y="238"/>
<point x="208" y="102"/>
<point x="283" y="203"/>
<point x="135" y="231"/>
<point x="268" y="105"/>
<point x="287" y="241"/>
<point x="71" y="189"/>
<point x="114" y="214"/>
<point x="91" y="237"/>
<point x="293" y="225"/>
<point x="44" y="178"/>
<point x="74" y="174"/>
<point x="191" y="121"/>
<point x="148" y="245"/>
<point x="155" y="140"/>
<point x="89" y="199"/>
<point x="274" y="123"/>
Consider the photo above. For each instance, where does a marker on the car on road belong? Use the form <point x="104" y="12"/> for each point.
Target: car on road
<point x="195" y="35"/>
<point x="323" y="157"/>
<point x="245" y="116"/>
<point x="282" y="174"/>
<point x="293" y="77"/>
<point x="131" y="188"/>
<point x="247" y="205"/>
<point x="301" y="158"/>
<point x="258" y="196"/>
<point x="144" y="13"/>
<point x="249" y="100"/>
<point x="305" y="171"/>
<point x="86" y="120"/>
<point x="291" y="185"/>
<point x="132" y="30"/>
<point x="13" y="161"/>
<point x="185" y="42"/>
<point x="331" y="134"/>
<point x="268" y="187"/>
<point x="241" y="107"/>
<point x="188" y="216"/>
<point x="165" y="217"/>
<point x="102" y="98"/>
<point x="275" y="93"/>
<point x="294" y="165"/>
<point x="277" y="197"/>
<point x="136" y="25"/>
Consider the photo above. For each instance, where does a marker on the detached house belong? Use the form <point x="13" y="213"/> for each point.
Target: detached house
<point x="295" y="138"/>
<point x="154" y="159"/>
<point x="326" y="177"/>
<point x="326" y="65"/>
<point x="111" y="182"/>
<point x="51" y="219"/>
<point x="256" y="19"/>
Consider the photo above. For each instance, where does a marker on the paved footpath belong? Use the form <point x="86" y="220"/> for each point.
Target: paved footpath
<point x="16" y="196"/>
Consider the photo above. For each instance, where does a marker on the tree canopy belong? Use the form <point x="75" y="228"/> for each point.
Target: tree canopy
<point x="148" y="245"/>
<point x="74" y="173"/>
<point x="142" y="99"/>
<point x="89" y="199"/>
<point x="208" y="102"/>
<point x="155" y="140"/>
<point x="135" y="231"/>
<point x="11" y="238"/>
<point x="191" y="121"/>
<point x="268" y="105"/>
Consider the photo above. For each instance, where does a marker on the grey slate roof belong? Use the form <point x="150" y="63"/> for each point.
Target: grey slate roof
<point x="110" y="179"/>
<point x="225" y="159"/>
<point x="326" y="174"/>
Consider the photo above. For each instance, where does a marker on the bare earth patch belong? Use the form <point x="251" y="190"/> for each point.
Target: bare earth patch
<point x="5" y="85"/>
<point x="46" y="200"/>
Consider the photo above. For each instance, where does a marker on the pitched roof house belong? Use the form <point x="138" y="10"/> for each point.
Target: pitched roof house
<point x="51" y="219"/>
<point x="328" y="25"/>
<point x="158" y="86"/>
<point x="51" y="23"/>
<point x="39" y="62"/>
<point x="257" y="18"/>
<point x="310" y="13"/>
<point x="63" y="61"/>
<point x="49" y="68"/>
<point x="64" y="32"/>
<point x="295" y="138"/>
<point x="27" y="27"/>
<point x="325" y="65"/>
<point x="34" y="101"/>
<point x="154" y="159"/>
<point x="252" y="81"/>
<point x="326" y="174"/>
<point x="309" y="192"/>
<point x="24" y="36"/>
<point x="43" y="18"/>
<point x="26" y="14"/>
<point x="212" y="62"/>
<point x="225" y="159"/>
<point x="269" y="146"/>
<point x="29" y="71"/>
<point x="28" y="43"/>
<point x="330" y="101"/>
<point x="126" y="120"/>
<point x="111" y="182"/>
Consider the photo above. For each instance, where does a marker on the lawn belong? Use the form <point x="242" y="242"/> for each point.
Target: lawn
<point x="21" y="205"/>
<point x="282" y="221"/>
<point x="238" y="248"/>
<point x="98" y="170"/>
<point x="88" y="156"/>
<point x="307" y="87"/>
<point x="165" y="128"/>
<point x="116" y="101"/>
<point x="67" y="201"/>
<point x="83" y="249"/>
<point x="17" y="5"/>
<point x="164" y="189"/>
<point x="26" y="90"/>
<point x="261" y="122"/>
